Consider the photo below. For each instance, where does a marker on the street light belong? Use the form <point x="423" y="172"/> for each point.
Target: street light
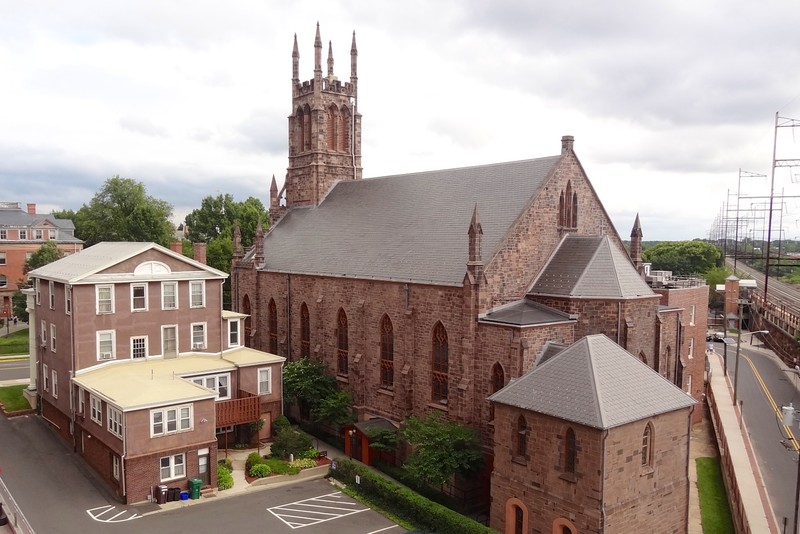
<point x="788" y="413"/>
<point x="765" y="332"/>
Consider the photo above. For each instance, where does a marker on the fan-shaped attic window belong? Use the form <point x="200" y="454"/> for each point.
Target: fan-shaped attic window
<point x="152" y="267"/>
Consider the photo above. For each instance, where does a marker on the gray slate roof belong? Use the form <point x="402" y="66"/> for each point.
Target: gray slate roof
<point x="525" y="313"/>
<point x="410" y="227"/>
<point x="84" y="266"/>
<point x="590" y="267"/>
<point x="19" y="218"/>
<point x="596" y="383"/>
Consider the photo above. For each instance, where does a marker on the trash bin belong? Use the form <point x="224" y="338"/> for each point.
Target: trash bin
<point x="161" y="494"/>
<point x="184" y="495"/>
<point x="194" y="487"/>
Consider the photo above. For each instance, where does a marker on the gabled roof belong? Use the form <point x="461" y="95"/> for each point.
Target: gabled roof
<point x="410" y="227"/>
<point x="590" y="267"/>
<point x="596" y="383"/>
<point x="19" y="218"/>
<point x="83" y="267"/>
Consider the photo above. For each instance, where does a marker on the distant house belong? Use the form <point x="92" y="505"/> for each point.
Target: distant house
<point x="591" y="440"/>
<point x="141" y="369"/>
<point x="23" y="232"/>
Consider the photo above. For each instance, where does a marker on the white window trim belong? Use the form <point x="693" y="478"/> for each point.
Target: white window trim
<point x="164" y="418"/>
<point x="202" y="344"/>
<point x="146" y="347"/>
<point x="116" y="467"/>
<point x="52" y="337"/>
<point x="691" y="347"/>
<point x="110" y="287"/>
<point x="51" y="296"/>
<point x="46" y="376"/>
<point x="115" y="421"/>
<point x="238" y="332"/>
<point x="3" y="258"/>
<point x="113" y="345"/>
<point x="269" y="381"/>
<point x="37" y="287"/>
<point x="81" y="402"/>
<point x="43" y="325"/>
<point x="67" y="300"/>
<point x="692" y="314"/>
<point x="202" y="284"/>
<point x="96" y="409"/>
<point x="146" y="297"/>
<point x="201" y="381"/>
<point x="163" y="296"/>
<point x="55" y="383"/>
<point x="172" y="465"/>
<point x="163" y="338"/>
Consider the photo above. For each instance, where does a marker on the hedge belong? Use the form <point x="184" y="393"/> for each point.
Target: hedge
<point x="402" y="502"/>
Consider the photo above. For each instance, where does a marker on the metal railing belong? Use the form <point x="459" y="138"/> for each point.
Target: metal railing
<point x="12" y="511"/>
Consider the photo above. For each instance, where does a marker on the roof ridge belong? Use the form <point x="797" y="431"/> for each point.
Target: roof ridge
<point x="600" y="412"/>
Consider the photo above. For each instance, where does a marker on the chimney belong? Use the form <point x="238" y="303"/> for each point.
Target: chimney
<point x="176" y="246"/>
<point x="566" y="144"/>
<point x="31" y="208"/>
<point x="200" y="252"/>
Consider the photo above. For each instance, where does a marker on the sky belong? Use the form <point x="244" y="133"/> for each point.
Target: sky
<point x="667" y="101"/>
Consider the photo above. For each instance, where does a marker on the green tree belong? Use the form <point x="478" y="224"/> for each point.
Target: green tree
<point x="714" y="276"/>
<point x="47" y="253"/>
<point x="336" y="409"/>
<point x="307" y="382"/>
<point x="217" y="216"/>
<point x="123" y="211"/>
<point x="441" y="449"/>
<point x="683" y="257"/>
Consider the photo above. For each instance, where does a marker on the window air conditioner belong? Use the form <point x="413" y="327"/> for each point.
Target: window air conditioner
<point x="199" y="346"/>
<point x="105" y="355"/>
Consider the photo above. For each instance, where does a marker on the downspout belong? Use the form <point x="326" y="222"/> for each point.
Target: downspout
<point x="124" y="455"/>
<point x="688" y="457"/>
<point x="73" y="372"/>
<point x="353" y="139"/>
<point x="678" y="350"/>
<point x="602" y="484"/>
<point x="619" y="321"/>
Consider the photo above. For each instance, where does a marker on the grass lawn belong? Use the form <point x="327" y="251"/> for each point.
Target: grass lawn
<point x="715" y="514"/>
<point x="15" y="343"/>
<point x="11" y="398"/>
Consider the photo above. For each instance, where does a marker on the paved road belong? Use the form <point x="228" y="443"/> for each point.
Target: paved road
<point x="14" y="370"/>
<point x="764" y="387"/>
<point x="58" y="494"/>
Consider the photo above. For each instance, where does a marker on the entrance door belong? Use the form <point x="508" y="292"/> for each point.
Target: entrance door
<point x="204" y="475"/>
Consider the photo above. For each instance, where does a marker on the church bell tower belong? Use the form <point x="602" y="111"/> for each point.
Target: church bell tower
<point x="324" y="130"/>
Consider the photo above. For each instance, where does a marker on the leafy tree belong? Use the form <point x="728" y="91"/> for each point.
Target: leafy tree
<point x="19" y="302"/>
<point x="714" y="276"/>
<point x="122" y="211"/>
<point x="65" y="214"/>
<point x="336" y="408"/>
<point x="683" y="257"/>
<point x="290" y="441"/>
<point x="47" y="253"/>
<point x="383" y="439"/>
<point x="308" y="383"/>
<point x="217" y="216"/>
<point x="441" y="449"/>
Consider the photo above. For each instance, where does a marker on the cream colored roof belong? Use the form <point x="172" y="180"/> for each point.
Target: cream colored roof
<point x="228" y="314"/>
<point x="245" y="356"/>
<point x="134" y="385"/>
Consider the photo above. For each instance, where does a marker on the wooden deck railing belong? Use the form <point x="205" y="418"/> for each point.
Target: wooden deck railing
<point x="244" y="409"/>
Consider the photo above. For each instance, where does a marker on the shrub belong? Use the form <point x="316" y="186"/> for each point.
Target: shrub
<point x="253" y="458"/>
<point x="260" y="471"/>
<point x="404" y="503"/>
<point x="281" y="423"/>
<point x="290" y="441"/>
<point x="281" y="467"/>
<point x="304" y="463"/>
<point x="224" y="477"/>
<point x="227" y="462"/>
<point x="311" y="453"/>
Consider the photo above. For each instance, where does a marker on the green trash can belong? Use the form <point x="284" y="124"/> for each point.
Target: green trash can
<point x="194" y="487"/>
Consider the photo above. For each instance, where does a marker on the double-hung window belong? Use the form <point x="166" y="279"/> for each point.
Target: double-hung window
<point x="169" y="295"/>
<point x="139" y="347"/>
<point x="219" y="383"/>
<point x="265" y="381"/>
<point x="96" y="406"/>
<point x="55" y="383"/>
<point x="51" y="288"/>
<point x="165" y="421"/>
<point x="46" y="377"/>
<point x="105" y="345"/>
<point x="233" y="333"/>
<point x="68" y="300"/>
<point x="173" y="467"/>
<point x="115" y="421"/>
<point x="2" y="258"/>
<point x="197" y="291"/>
<point x="138" y="297"/>
<point x="105" y="299"/>
<point x="52" y="337"/>
<point x="198" y="336"/>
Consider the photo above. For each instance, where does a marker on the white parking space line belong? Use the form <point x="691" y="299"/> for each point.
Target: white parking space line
<point x="121" y="516"/>
<point x="316" y="510"/>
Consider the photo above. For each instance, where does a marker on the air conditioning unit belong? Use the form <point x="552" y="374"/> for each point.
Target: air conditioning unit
<point x="199" y="346"/>
<point x="105" y="355"/>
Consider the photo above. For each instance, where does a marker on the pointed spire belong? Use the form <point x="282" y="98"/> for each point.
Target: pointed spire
<point x="317" y="54"/>
<point x="330" y="59"/>
<point x="273" y="193"/>
<point x="295" y="62"/>
<point x="353" y="59"/>
<point x="475" y="235"/>
<point x="636" y="245"/>
<point x="259" y="245"/>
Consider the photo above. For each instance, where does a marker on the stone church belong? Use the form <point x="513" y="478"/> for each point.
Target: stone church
<point x="434" y="290"/>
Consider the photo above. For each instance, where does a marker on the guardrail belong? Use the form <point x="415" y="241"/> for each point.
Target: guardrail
<point x="16" y="519"/>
